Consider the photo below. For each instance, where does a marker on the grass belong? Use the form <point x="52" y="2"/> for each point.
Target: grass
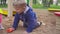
<point x="36" y="6"/>
<point x="40" y="6"/>
<point x="55" y="7"/>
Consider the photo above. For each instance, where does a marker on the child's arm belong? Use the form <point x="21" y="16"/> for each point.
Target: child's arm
<point x="16" y="21"/>
<point x="15" y="24"/>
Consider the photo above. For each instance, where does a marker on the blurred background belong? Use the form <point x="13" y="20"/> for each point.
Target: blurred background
<point x="41" y="4"/>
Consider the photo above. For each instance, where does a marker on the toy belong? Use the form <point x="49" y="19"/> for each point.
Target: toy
<point x="57" y="13"/>
<point x="10" y="30"/>
<point x="53" y="10"/>
<point x="5" y="12"/>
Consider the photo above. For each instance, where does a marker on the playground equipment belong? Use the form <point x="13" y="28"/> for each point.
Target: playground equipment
<point x="57" y="13"/>
<point x="1" y="11"/>
<point x="53" y="10"/>
<point x="5" y="12"/>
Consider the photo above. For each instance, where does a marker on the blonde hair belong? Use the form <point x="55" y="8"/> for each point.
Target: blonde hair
<point x="18" y="2"/>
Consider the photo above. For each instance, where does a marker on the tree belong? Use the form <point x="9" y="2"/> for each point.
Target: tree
<point x="56" y="2"/>
<point x="51" y="1"/>
<point x="46" y="3"/>
<point x="27" y="1"/>
<point x="34" y="1"/>
<point x="3" y="1"/>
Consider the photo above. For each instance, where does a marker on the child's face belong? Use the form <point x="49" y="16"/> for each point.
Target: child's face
<point x="19" y="8"/>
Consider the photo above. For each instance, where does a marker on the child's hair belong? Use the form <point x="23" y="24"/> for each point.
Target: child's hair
<point x="19" y="2"/>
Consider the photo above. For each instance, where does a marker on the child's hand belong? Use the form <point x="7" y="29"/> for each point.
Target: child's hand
<point x="25" y="32"/>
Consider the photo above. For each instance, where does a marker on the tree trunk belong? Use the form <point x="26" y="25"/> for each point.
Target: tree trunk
<point x="57" y="2"/>
<point x="51" y="1"/>
<point x="44" y="3"/>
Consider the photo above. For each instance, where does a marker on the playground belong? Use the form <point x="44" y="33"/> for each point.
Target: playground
<point x="46" y="14"/>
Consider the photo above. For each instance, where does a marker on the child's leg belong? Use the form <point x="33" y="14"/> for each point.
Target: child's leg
<point x="25" y="24"/>
<point x="1" y="27"/>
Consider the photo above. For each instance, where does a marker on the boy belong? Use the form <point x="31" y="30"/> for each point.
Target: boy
<point x="25" y="14"/>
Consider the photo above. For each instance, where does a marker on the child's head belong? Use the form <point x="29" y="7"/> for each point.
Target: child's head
<point x="19" y="6"/>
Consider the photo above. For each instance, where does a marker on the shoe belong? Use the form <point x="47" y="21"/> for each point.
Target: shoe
<point x="1" y="27"/>
<point x="38" y="25"/>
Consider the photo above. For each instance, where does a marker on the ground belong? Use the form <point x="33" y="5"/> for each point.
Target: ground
<point x="43" y="15"/>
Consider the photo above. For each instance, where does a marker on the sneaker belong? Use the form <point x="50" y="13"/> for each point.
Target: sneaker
<point x="1" y="27"/>
<point x="39" y="23"/>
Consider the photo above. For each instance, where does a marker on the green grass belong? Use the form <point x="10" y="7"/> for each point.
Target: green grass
<point x="40" y="6"/>
<point x="3" y="6"/>
<point x="55" y="7"/>
<point x="36" y="6"/>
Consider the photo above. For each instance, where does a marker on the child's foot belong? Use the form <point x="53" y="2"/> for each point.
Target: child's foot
<point x="1" y="27"/>
<point x="38" y="25"/>
<point x="41" y="23"/>
<point x="10" y="30"/>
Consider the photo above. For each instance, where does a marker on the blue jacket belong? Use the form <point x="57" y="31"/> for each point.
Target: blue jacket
<point x="29" y="17"/>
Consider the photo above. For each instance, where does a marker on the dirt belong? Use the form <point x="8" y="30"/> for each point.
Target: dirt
<point x="43" y="15"/>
